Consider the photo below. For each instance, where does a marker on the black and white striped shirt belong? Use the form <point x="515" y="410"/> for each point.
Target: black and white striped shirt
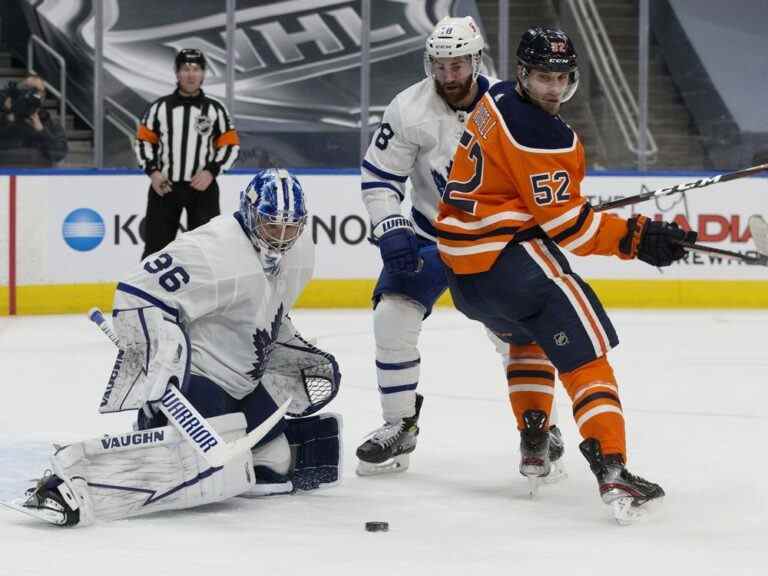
<point x="182" y="135"/>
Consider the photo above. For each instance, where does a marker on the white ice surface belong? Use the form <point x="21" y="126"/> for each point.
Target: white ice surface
<point x="695" y="396"/>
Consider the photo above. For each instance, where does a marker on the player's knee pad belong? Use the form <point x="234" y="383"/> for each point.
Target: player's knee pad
<point x="316" y="450"/>
<point x="147" y="471"/>
<point x="396" y="326"/>
<point x="154" y="352"/>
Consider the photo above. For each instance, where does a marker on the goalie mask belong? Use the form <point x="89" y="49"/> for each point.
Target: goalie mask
<point x="273" y="212"/>
<point x="454" y="37"/>
<point x="549" y="50"/>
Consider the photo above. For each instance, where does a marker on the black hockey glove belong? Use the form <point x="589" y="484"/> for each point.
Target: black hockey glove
<point x="398" y="246"/>
<point x="656" y="243"/>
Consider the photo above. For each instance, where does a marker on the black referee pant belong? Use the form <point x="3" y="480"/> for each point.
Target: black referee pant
<point x="164" y="213"/>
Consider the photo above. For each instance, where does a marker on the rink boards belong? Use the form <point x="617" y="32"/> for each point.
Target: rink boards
<point x="66" y="238"/>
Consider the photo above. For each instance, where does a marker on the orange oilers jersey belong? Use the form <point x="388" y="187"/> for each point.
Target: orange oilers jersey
<point x="516" y="175"/>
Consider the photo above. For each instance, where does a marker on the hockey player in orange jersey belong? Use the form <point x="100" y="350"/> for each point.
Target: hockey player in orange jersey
<point x="512" y="202"/>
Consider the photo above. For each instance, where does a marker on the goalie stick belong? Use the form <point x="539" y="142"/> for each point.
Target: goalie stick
<point x="678" y="188"/>
<point x="188" y="421"/>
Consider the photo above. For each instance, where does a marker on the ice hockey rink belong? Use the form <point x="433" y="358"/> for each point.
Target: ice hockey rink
<point x="694" y="392"/>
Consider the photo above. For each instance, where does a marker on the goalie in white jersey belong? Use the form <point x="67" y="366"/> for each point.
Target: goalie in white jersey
<point x="208" y="314"/>
<point x="412" y="151"/>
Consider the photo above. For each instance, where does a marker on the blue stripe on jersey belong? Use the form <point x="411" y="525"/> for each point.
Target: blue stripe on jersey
<point x="387" y="185"/>
<point x="423" y="222"/>
<point x="128" y="289"/>
<point x="396" y="389"/>
<point x="397" y="365"/>
<point x="383" y="173"/>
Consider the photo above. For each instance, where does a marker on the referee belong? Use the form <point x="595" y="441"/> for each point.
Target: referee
<point x="184" y="141"/>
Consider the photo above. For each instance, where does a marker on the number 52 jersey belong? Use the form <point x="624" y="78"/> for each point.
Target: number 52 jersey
<point x="516" y="175"/>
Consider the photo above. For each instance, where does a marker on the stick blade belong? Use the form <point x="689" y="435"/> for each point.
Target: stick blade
<point x="758" y="227"/>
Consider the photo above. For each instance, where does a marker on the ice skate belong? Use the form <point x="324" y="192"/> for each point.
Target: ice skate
<point x="556" y="451"/>
<point x="535" y="462"/>
<point x="50" y="500"/>
<point x="387" y="449"/>
<point x="630" y="497"/>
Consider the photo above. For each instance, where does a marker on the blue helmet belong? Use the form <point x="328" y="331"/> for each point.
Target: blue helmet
<point x="273" y="209"/>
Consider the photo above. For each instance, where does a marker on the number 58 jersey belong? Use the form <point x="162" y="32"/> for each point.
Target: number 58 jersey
<point x="516" y="175"/>
<point x="212" y="282"/>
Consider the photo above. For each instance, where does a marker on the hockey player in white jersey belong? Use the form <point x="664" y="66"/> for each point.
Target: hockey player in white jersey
<point x="412" y="151"/>
<point x="209" y="315"/>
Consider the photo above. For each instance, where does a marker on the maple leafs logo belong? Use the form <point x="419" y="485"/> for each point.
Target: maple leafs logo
<point x="263" y="343"/>
<point x="439" y="179"/>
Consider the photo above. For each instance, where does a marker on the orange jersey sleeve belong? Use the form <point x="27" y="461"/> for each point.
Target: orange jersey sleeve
<point x="516" y="175"/>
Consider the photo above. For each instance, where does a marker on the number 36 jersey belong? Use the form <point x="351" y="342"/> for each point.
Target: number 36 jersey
<point x="516" y="175"/>
<point x="212" y="282"/>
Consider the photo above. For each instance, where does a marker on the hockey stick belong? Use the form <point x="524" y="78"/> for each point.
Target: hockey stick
<point x="753" y="259"/>
<point x="188" y="421"/>
<point x="758" y="228"/>
<point x="701" y="183"/>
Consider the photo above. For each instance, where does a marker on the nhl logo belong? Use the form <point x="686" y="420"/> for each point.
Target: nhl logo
<point x="203" y="125"/>
<point x="561" y="339"/>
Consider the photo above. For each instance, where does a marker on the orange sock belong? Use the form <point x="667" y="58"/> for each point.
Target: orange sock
<point x="596" y="405"/>
<point x="531" y="380"/>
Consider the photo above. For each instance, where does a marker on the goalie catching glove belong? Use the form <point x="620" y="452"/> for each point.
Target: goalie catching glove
<point x="654" y="242"/>
<point x="298" y="369"/>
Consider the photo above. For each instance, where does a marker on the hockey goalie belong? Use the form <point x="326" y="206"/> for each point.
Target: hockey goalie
<point x="209" y="358"/>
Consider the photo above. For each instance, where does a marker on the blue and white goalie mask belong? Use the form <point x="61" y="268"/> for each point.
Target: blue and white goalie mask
<point x="274" y="213"/>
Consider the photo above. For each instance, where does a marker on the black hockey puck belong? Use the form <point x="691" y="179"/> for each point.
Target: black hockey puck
<point x="377" y="526"/>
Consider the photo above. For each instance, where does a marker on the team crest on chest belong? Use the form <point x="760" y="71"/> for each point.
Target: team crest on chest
<point x="203" y="125"/>
<point x="263" y="343"/>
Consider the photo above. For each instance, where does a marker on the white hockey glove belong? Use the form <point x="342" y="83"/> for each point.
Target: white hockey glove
<point x="153" y="353"/>
<point x="298" y="369"/>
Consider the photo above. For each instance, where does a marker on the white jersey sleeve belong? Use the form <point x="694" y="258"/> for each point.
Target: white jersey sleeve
<point x="387" y="164"/>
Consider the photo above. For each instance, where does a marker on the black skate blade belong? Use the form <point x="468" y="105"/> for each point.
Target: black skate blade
<point x="44" y="514"/>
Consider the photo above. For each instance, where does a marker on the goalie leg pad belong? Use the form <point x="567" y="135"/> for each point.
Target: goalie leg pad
<point x="138" y="473"/>
<point x="316" y="448"/>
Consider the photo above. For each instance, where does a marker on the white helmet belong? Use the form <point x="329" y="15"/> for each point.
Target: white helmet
<point x="455" y="37"/>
